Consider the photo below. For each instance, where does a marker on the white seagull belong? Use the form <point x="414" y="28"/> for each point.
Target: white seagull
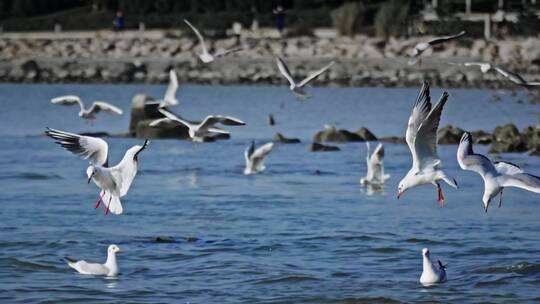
<point x="298" y="89"/>
<point x="375" y="167"/>
<point x="430" y="274"/>
<point x="423" y="46"/>
<point x="114" y="182"/>
<point x="515" y="78"/>
<point x="496" y="175"/>
<point x="90" y="113"/>
<point x="421" y="137"/>
<point x="169" y="99"/>
<point x="198" y="132"/>
<point x="255" y="157"/>
<point x="110" y="268"/>
<point x="205" y="56"/>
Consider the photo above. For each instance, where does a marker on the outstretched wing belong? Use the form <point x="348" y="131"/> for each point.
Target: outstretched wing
<point x="425" y="142"/>
<point x="375" y="170"/>
<point x="315" y="75"/>
<point x="92" y="148"/>
<point x="516" y="78"/>
<point x="170" y="115"/>
<point x="249" y="151"/>
<point x="260" y="153"/>
<point x="211" y="120"/>
<point x="521" y="180"/>
<point x="170" y="95"/>
<point x="161" y="122"/>
<point x="68" y="100"/>
<point x="420" y="111"/>
<point x="225" y="52"/>
<point x="201" y="39"/>
<point x="444" y="39"/>
<point x="99" y="106"/>
<point x="284" y="70"/>
<point x="470" y="161"/>
<point x="504" y="167"/>
<point x="125" y="171"/>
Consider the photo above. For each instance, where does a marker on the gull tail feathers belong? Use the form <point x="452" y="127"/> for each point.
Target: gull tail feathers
<point x="115" y="206"/>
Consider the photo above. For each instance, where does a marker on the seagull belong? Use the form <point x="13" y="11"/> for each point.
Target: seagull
<point x="88" y="114"/>
<point x="515" y="78"/>
<point x="298" y="89"/>
<point x="430" y="275"/>
<point x="423" y="46"/>
<point x="255" y="157"/>
<point x="169" y="99"/>
<point x="197" y="132"/>
<point x="421" y="138"/>
<point x="114" y="182"/>
<point x="110" y="268"/>
<point x="205" y="56"/>
<point x="375" y="167"/>
<point x="496" y="175"/>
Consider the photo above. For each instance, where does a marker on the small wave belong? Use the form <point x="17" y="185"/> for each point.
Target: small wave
<point x="287" y="279"/>
<point x="417" y="241"/>
<point x="21" y="264"/>
<point x="32" y="176"/>
<point x="387" y="249"/>
<point x="520" y="268"/>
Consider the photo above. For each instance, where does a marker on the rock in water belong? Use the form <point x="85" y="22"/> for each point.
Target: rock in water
<point x="449" y="135"/>
<point x="507" y="139"/>
<point x="284" y="140"/>
<point x="315" y="147"/>
<point x="271" y="120"/>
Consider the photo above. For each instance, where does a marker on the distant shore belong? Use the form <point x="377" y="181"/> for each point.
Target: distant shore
<point x="145" y="57"/>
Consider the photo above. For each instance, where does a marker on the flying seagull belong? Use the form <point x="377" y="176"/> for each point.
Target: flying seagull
<point x="110" y="268"/>
<point x="255" y="157"/>
<point x="169" y="99"/>
<point x="375" y="167"/>
<point x="515" y="78"/>
<point x="205" y="56"/>
<point x="430" y="274"/>
<point x="423" y="46"/>
<point x="298" y="89"/>
<point x="496" y="175"/>
<point x="197" y="132"/>
<point x="114" y="182"/>
<point x="421" y="137"/>
<point x="90" y="113"/>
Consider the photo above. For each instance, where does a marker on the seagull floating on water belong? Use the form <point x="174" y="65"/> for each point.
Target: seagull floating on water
<point x="375" y="167"/>
<point x="114" y="182"/>
<point x="255" y="157"/>
<point x="423" y="46"/>
<point x="90" y="113"/>
<point x="421" y="137"/>
<point x="496" y="175"/>
<point x="205" y="56"/>
<point x="110" y="268"/>
<point x="298" y="89"/>
<point x="198" y="132"/>
<point x="515" y="78"/>
<point x="430" y="274"/>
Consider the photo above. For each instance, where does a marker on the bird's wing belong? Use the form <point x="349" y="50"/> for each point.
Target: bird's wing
<point x="68" y="100"/>
<point x="470" y="161"/>
<point x="249" y="151"/>
<point x="225" y="52"/>
<point x="160" y="122"/>
<point x="99" y="106"/>
<point x="420" y="111"/>
<point x="375" y="167"/>
<point x="211" y="120"/>
<point x="510" y="75"/>
<point x="92" y="148"/>
<point x="170" y="94"/>
<point x="425" y="142"/>
<point x="521" y="180"/>
<point x="439" y="40"/>
<point x="284" y="70"/>
<point x="125" y="171"/>
<point x="170" y="115"/>
<point x="504" y="167"/>
<point x="315" y="75"/>
<point x="196" y="31"/>
<point x="89" y="268"/>
<point x="260" y="153"/>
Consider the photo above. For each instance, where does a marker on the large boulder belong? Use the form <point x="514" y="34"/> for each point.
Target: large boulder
<point x="531" y="137"/>
<point x="482" y="137"/>
<point x="449" y="135"/>
<point x="316" y="147"/>
<point x="366" y="134"/>
<point x="332" y="134"/>
<point x="278" y="137"/>
<point x="507" y="139"/>
<point x="393" y="139"/>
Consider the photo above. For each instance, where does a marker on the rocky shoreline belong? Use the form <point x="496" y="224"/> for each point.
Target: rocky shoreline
<point x="360" y="60"/>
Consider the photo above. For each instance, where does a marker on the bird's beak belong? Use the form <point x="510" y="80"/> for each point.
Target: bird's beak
<point x="485" y="208"/>
<point x="398" y="194"/>
<point x="90" y="178"/>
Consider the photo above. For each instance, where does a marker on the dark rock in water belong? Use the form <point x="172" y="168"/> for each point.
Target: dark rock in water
<point x="334" y="135"/>
<point x="159" y="239"/>
<point x="531" y="137"/>
<point x="393" y="139"/>
<point x="278" y="137"/>
<point x="271" y="120"/>
<point x="507" y="139"/>
<point x="449" y="135"/>
<point x="482" y="137"/>
<point x="139" y="111"/>
<point x="366" y="134"/>
<point x="315" y="147"/>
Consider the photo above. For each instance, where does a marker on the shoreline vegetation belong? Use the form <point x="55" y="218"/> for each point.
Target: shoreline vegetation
<point x="146" y="57"/>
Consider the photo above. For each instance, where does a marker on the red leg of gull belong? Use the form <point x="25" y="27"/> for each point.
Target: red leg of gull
<point x="98" y="202"/>
<point x="500" y="199"/>
<point x="107" y="210"/>
<point x="440" y="198"/>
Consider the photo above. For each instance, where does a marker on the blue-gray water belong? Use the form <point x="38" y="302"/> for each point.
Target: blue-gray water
<point x="304" y="231"/>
